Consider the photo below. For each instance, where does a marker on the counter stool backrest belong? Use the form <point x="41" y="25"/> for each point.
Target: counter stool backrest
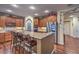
<point x="20" y="36"/>
<point x="25" y="38"/>
<point x="28" y="37"/>
<point x="15" y="37"/>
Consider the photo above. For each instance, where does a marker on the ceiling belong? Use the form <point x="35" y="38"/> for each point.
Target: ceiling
<point x="23" y="9"/>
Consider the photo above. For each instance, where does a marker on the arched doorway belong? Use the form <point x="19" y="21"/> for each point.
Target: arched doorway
<point x="28" y="24"/>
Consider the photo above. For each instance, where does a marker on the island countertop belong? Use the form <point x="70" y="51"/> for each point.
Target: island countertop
<point x="37" y="35"/>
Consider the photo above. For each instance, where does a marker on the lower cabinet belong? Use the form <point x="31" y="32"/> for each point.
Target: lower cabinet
<point x="8" y="36"/>
<point x="4" y="37"/>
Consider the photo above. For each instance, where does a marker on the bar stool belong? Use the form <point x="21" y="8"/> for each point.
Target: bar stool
<point x="25" y="39"/>
<point x="20" y="36"/>
<point x="30" y="43"/>
<point x="15" y="38"/>
<point x="16" y="41"/>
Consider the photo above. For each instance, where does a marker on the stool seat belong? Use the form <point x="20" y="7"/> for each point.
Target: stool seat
<point x="33" y="43"/>
<point x="29" y="40"/>
<point x="25" y="38"/>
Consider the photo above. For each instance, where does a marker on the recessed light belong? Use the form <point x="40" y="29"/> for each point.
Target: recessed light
<point x="14" y="5"/>
<point x="32" y="7"/>
<point x="8" y="10"/>
<point x="36" y="14"/>
<point x="71" y="16"/>
<point x="46" y="11"/>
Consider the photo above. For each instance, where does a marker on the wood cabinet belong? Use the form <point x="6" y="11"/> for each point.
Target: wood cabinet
<point x="52" y="19"/>
<point x="43" y="22"/>
<point x="1" y="37"/>
<point x="4" y="37"/>
<point x="2" y="21"/>
<point x="8" y="36"/>
<point x="19" y="23"/>
<point x="5" y="21"/>
<point x="10" y="20"/>
<point x="36" y="21"/>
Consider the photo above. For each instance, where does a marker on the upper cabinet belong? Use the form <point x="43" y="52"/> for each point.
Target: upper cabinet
<point x="19" y="23"/>
<point x="2" y="21"/>
<point x="52" y="18"/>
<point x="11" y="22"/>
<point x="36" y="21"/>
<point x="43" y="22"/>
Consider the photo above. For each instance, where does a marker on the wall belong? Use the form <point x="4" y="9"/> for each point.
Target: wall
<point x="60" y="22"/>
<point x="74" y="26"/>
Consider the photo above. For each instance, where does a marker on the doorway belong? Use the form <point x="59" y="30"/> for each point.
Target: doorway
<point x="28" y="25"/>
<point x="67" y="28"/>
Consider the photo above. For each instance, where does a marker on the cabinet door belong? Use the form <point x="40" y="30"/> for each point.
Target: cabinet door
<point x="40" y="23"/>
<point x="44" y="21"/>
<point x="1" y="37"/>
<point x="2" y="22"/>
<point x="10" y="20"/>
<point x="35" y="21"/>
<point x="8" y="36"/>
<point x="19" y="23"/>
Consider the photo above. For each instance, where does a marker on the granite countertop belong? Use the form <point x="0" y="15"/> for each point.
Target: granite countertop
<point x="2" y="31"/>
<point x="36" y="35"/>
<point x="8" y="29"/>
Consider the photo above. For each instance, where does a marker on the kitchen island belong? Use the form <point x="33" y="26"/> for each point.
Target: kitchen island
<point x="45" y="41"/>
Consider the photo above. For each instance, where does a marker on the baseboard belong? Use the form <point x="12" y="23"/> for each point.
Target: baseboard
<point x="60" y="44"/>
<point x="76" y="37"/>
<point x="71" y="36"/>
